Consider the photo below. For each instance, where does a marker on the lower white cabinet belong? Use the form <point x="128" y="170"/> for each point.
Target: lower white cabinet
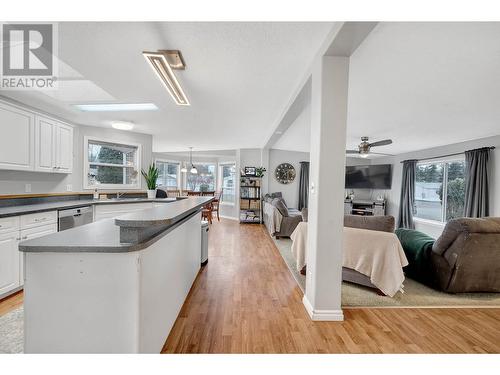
<point x="29" y="234"/>
<point x="12" y="231"/>
<point x="9" y="262"/>
<point x="108" y="211"/>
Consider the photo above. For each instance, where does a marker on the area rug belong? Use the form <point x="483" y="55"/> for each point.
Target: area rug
<point x="11" y="332"/>
<point x="415" y="295"/>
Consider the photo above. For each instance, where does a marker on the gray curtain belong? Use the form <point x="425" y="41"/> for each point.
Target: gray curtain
<point x="476" y="183"/>
<point x="407" y="200"/>
<point x="303" y="184"/>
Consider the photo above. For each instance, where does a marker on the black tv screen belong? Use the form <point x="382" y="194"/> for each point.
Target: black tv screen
<point x="368" y="176"/>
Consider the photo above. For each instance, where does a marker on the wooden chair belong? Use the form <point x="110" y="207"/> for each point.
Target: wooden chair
<point x="173" y="193"/>
<point x="206" y="213"/>
<point x="208" y="193"/>
<point x="216" y="202"/>
<point x="194" y="193"/>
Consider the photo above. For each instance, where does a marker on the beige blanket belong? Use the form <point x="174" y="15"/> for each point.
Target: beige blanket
<point x="378" y="255"/>
<point x="272" y="218"/>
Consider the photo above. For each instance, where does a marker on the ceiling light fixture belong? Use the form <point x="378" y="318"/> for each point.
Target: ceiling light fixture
<point x="116" y="107"/>
<point x="122" y="125"/>
<point x="162" y="63"/>
<point x="193" y="168"/>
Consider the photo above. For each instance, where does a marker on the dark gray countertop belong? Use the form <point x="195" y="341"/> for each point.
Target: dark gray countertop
<point x="104" y="236"/>
<point x="43" y="207"/>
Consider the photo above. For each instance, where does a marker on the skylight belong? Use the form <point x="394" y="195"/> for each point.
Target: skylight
<point x="116" y="107"/>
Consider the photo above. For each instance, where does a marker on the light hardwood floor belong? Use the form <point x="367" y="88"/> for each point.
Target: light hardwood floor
<point x="246" y="301"/>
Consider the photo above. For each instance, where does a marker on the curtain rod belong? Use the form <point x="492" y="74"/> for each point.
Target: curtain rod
<point x="445" y="156"/>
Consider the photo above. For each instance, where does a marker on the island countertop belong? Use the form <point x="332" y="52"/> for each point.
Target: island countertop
<point x="104" y="236"/>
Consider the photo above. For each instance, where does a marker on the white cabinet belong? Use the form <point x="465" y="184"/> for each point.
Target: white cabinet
<point x="29" y="234"/>
<point x="17" y="138"/>
<point x="107" y="211"/>
<point x="9" y="262"/>
<point x="13" y="230"/>
<point x="53" y="146"/>
<point x="64" y="148"/>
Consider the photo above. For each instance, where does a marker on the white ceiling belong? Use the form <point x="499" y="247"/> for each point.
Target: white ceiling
<point x="238" y="78"/>
<point x="423" y="85"/>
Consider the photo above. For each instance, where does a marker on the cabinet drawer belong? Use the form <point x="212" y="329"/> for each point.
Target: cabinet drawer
<point x="35" y="220"/>
<point x="9" y="224"/>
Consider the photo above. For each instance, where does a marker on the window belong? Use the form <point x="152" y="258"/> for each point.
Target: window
<point x="440" y="190"/>
<point x="204" y="180"/>
<point x="227" y="182"/>
<point x="168" y="174"/>
<point x="111" y="165"/>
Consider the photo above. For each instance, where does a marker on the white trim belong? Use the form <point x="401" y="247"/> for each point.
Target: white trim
<point x="229" y="204"/>
<point x="229" y="217"/>
<point x="322" y="315"/>
<point x="86" y="163"/>
<point x="436" y="223"/>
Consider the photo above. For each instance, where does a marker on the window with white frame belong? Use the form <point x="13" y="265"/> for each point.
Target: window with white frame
<point x="440" y="190"/>
<point x="168" y="174"/>
<point x="111" y="165"/>
<point x="227" y="182"/>
<point x="204" y="180"/>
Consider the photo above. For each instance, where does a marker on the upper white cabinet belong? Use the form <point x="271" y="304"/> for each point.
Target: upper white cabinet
<point x="17" y="138"/>
<point x="33" y="142"/>
<point x="64" y="148"/>
<point x="53" y="146"/>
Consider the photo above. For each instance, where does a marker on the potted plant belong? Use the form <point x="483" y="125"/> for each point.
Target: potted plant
<point x="259" y="172"/>
<point x="151" y="176"/>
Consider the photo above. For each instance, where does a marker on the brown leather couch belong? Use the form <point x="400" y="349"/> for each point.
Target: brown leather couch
<point x="466" y="257"/>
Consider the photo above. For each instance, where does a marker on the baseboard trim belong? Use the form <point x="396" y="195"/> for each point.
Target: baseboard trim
<point x="229" y="217"/>
<point x="322" y="315"/>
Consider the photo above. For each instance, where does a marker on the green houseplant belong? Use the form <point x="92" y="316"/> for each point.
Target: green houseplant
<point x="259" y="172"/>
<point x="151" y="176"/>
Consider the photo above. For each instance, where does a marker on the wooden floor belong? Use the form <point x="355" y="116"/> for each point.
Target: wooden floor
<point x="246" y="301"/>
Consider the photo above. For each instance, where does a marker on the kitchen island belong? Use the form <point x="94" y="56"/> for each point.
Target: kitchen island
<point x="113" y="286"/>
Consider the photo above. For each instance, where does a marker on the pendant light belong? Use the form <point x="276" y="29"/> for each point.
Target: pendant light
<point x="184" y="169"/>
<point x="193" y="168"/>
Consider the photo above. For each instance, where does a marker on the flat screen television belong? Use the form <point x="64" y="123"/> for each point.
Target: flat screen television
<point x="368" y="176"/>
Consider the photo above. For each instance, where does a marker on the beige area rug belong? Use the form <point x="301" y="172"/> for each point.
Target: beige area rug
<point x="415" y="295"/>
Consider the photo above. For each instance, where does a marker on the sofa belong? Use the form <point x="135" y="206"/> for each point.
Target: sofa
<point x="465" y="258"/>
<point x="279" y="219"/>
<point x="376" y="223"/>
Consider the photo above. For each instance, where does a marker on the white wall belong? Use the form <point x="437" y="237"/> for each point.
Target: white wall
<point x="290" y="191"/>
<point x="394" y="194"/>
<point x="13" y="182"/>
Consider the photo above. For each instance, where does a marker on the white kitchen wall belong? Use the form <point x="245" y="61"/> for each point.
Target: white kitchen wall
<point x="394" y="194"/>
<point x="14" y="182"/>
<point x="290" y="191"/>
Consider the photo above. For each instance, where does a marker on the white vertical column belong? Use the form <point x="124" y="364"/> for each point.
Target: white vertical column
<point x="326" y="183"/>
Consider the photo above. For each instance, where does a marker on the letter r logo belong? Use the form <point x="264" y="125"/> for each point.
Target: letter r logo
<point x="27" y="50"/>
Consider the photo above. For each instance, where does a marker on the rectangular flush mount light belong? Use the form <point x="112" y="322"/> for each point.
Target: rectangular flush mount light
<point x="116" y="107"/>
<point x="161" y="66"/>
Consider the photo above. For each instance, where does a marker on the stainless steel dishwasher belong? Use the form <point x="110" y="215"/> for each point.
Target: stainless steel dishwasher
<point x="75" y="217"/>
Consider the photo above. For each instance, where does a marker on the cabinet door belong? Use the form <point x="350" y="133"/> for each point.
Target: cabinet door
<point x="45" y="144"/>
<point x="17" y="140"/>
<point x="9" y="262"/>
<point x="29" y="234"/>
<point x="64" y="148"/>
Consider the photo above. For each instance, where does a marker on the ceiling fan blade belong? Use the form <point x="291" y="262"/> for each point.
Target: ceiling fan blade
<point x="351" y="151"/>
<point x="378" y="153"/>
<point x="381" y="143"/>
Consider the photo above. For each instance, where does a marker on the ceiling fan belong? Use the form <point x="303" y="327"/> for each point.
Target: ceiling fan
<point x="364" y="148"/>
